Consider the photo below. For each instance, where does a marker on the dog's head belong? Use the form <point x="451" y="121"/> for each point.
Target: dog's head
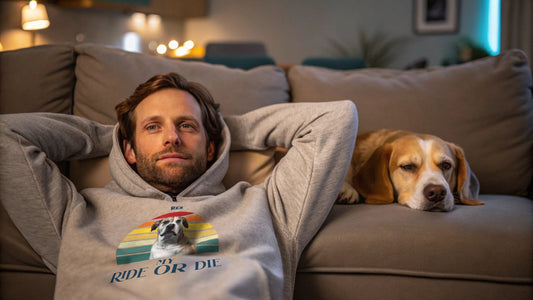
<point x="170" y="227"/>
<point x="420" y="171"/>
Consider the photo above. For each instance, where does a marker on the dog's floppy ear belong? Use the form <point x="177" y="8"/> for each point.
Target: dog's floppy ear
<point x="156" y="224"/>
<point x="467" y="188"/>
<point x="372" y="181"/>
<point x="184" y="222"/>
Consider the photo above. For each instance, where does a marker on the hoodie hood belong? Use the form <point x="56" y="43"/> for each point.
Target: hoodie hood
<point x="209" y="183"/>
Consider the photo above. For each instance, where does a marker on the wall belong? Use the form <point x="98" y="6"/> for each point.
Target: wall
<point x="74" y="25"/>
<point x="292" y="30"/>
<point x="296" y="29"/>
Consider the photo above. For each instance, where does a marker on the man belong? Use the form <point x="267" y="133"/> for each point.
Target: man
<point x="177" y="120"/>
<point x="168" y="157"/>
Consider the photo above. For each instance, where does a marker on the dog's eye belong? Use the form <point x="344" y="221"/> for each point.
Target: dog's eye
<point x="408" y="167"/>
<point x="445" y="166"/>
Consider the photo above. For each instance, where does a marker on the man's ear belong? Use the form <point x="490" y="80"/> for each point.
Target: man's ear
<point x="211" y="152"/>
<point x="129" y="152"/>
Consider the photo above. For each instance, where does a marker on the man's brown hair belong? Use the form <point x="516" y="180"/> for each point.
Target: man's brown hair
<point x="125" y="109"/>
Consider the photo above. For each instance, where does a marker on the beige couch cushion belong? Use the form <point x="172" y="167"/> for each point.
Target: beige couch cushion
<point x="381" y="245"/>
<point x="38" y="79"/>
<point x="107" y="76"/>
<point x="484" y="106"/>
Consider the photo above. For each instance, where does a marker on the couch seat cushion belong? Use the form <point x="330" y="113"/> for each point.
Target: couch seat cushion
<point x="491" y="243"/>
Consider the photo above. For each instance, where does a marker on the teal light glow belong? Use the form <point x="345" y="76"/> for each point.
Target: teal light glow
<point x="493" y="34"/>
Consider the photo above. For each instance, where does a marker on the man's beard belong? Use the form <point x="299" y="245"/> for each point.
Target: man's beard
<point x="173" y="177"/>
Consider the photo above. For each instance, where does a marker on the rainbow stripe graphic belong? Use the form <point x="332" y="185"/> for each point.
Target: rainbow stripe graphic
<point x="136" y="245"/>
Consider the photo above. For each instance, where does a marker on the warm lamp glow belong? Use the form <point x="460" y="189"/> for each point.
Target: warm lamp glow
<point x="161" y="49"/>
<point x="182" y="51"/>
<point x="154" y="21"/>
<point x="188" y="44"/>
<point x="173" y="45"/>
<point x="175" y="50"/>
<point x="34" y="16"/>
<point x="138" y="20"/>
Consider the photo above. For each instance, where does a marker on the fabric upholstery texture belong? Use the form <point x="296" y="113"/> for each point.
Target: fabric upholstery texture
<point x="490" y="97"/>
<point x="442" y="255"/>
<point x="378" y="286"/>
<point x="107" y="76"/>
<point x="240" y="62"/>
<point x="20" y="265"/>
<point x="46" y="85"/>
<point x="395" y="240"/>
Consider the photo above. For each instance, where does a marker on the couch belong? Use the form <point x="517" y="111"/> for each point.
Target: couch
<point x="362" y="251"/>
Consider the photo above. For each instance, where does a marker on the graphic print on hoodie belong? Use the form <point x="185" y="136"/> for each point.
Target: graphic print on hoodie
<point x="141" y="243"/>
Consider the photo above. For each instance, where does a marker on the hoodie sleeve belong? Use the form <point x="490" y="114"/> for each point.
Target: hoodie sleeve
<point x="305" y="183"/>
<point x="34" y="192"/>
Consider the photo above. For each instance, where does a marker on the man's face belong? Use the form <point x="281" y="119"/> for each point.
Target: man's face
<point x="170" y="146"/>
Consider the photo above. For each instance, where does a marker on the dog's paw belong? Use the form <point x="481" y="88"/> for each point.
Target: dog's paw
<point x="347" y="195"/>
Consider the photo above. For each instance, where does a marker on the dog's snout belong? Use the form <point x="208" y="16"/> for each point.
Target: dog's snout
<point x="434" y="193"/>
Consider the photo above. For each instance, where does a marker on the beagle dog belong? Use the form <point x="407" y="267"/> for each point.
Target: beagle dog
<point x="420" y="171"/>
<point x="171" y="241"/>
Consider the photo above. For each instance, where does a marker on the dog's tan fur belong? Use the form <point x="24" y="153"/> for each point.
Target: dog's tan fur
<point x="389" y="165"/>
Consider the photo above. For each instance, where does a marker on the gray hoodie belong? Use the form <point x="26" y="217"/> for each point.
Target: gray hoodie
<point x="247" y="239"/>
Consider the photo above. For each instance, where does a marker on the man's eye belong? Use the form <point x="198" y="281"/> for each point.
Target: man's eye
<point x="187" y="126"/>
<point x="151" y="127"/>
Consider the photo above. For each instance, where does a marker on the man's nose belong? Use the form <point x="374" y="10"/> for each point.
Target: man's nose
<point x="172" y="136"/>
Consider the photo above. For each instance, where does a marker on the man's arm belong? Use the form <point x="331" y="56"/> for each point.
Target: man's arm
<point x="33" y="191"/>
<point x="305" y="183"/>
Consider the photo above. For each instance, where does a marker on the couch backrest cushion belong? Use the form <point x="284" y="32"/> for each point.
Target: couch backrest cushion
<point x="37" y="79"/>
<point x="484" y="106"/>
<point x="106" y="76"/>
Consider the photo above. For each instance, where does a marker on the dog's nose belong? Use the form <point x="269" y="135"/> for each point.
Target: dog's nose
<point x="434" y="193"/>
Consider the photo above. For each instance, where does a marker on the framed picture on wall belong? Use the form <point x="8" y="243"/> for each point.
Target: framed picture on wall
<point x="436" y="16"/>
